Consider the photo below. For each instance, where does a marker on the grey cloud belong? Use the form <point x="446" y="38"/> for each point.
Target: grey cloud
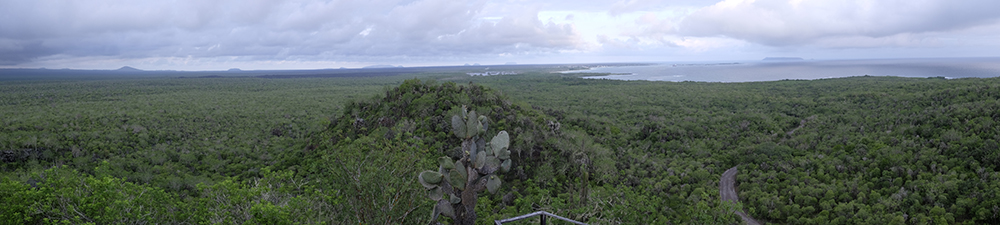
<point x="610" y="43"/>
<point x="512" y="34"/>
<point x="272" y="30"/>
<point x="789" y="23"/>
<point x="654" y="27"/>
<point x="613" y="7"/>
<point x="527" y="29"/>
<point x="15" y="52"/>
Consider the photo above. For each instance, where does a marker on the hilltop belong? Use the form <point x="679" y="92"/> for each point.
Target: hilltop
<point x="128" y="69"/>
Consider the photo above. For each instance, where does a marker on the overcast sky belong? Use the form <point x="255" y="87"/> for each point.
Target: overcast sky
<point x="314" y="34"/>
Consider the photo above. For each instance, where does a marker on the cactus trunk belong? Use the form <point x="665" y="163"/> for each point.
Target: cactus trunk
<point x="469" y="202"/>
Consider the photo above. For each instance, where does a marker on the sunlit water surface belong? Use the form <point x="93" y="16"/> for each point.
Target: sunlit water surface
<point x="950" y="68"/>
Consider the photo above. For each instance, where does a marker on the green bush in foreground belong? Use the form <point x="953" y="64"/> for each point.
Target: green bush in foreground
<point x="62" y="195"/>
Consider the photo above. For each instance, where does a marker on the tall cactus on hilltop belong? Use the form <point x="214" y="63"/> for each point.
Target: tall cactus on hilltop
<point x="456" y="184"/>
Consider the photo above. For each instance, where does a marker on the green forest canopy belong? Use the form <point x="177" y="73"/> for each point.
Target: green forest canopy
<point x="347" y="150"/>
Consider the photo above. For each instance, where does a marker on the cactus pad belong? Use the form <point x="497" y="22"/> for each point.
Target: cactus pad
<point x="455" y="199"/>
<point x="444" y="207"/>
<point x="456" y="179"/>
<point x="480" y="160"/>
<point x="446" y="162"/>
<point x="435" y="193"/>
<point x="502" y="154"/>
<point x="472" y="126"/>
<point x="493" y="184"/>
<point x="505" y="166"/>
<point x="460" y="168"/>
<point x="500" y="142"/>
<point x="430" y="177"/>
<point x="486" y="123"/>
<point x="458" y="126"/>
<point x="492" y="165"/>
<point x="481" y="144"/>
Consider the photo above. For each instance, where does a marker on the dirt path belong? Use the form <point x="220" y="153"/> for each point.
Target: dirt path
<point x="727" y="189"/>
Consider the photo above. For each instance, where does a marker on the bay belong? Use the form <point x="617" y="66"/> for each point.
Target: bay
<point x="750" y="71"/>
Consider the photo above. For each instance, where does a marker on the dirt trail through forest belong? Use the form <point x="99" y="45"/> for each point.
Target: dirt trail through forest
<point x="727" y="189"/>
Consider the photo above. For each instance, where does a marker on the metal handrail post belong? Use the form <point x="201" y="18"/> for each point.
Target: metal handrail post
<point x="543" y="218"/>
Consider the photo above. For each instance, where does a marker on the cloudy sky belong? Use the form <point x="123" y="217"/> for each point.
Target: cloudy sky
<point x="314" y="34"/>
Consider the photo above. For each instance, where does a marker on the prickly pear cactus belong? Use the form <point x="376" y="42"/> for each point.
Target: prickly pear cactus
<point x="456" y="183"/>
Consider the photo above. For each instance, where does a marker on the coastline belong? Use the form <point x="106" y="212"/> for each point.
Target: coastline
<point x="950" y="68"/>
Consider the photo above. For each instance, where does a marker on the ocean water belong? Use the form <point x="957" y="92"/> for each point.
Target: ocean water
<point x="748" y="71"/>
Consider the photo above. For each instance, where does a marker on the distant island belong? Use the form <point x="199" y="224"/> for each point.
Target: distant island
<point x="783" y="59"/>
<point x="380" y="66"/>
<point x="128" y="68"/>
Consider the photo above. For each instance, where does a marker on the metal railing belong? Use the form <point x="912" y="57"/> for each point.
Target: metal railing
<point x="541" y="214"/>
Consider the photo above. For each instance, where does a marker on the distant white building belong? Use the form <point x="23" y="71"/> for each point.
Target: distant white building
<point x="492" y="73"/>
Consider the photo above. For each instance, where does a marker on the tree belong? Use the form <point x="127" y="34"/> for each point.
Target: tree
<point x="456" y="184"/>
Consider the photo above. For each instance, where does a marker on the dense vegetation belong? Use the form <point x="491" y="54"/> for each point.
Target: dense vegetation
<point x="65" y="142"/>
<point x="862" y="150"/>
<point x="551" y="169"/>
<point x="856" y="150"/>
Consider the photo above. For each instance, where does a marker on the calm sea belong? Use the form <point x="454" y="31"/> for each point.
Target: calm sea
<point x="802" y="70"/>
